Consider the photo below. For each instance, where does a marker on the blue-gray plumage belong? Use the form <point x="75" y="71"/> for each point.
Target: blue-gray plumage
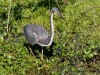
<point x="31" y="31"/>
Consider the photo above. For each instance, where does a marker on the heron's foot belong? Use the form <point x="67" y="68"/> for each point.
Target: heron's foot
<point x="45" y="66"/>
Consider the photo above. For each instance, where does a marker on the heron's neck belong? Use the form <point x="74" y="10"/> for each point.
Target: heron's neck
<point x="52" y="29"/>
<point x="50" y="39"/>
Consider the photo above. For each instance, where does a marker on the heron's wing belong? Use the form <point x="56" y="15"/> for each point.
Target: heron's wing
<point x="41" y="34"/>
<point x="30" y="36"/>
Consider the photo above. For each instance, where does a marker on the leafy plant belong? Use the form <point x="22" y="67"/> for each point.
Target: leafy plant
<point x="76" y="45"/>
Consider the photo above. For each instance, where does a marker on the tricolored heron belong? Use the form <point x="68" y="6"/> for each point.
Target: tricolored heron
<point x="36" y="34"/>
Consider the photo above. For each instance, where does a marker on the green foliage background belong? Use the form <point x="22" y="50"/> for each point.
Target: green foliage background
<point x="76" y="45"/>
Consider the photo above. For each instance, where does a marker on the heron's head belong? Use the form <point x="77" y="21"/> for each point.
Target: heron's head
<point x="56" y="11"/>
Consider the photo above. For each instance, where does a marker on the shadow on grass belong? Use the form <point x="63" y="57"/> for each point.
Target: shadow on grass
<point x="36" y="48"/>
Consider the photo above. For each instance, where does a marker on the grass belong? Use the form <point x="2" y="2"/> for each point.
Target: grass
<point x="76" y="45"/>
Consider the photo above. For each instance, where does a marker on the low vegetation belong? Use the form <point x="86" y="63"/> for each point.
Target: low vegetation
<point x="76" y="46"/>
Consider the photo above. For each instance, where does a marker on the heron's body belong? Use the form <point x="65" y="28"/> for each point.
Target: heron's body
<point x="38" y="34"/>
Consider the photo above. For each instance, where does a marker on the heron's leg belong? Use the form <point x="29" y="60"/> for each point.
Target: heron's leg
<point x="30" y="50"/>
<point x="42" y="54"/>
<point x="44" y="64"/>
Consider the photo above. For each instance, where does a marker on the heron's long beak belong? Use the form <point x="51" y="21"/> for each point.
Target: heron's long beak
<point x="62" y="17"/>
<point x="58" y="13"/>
